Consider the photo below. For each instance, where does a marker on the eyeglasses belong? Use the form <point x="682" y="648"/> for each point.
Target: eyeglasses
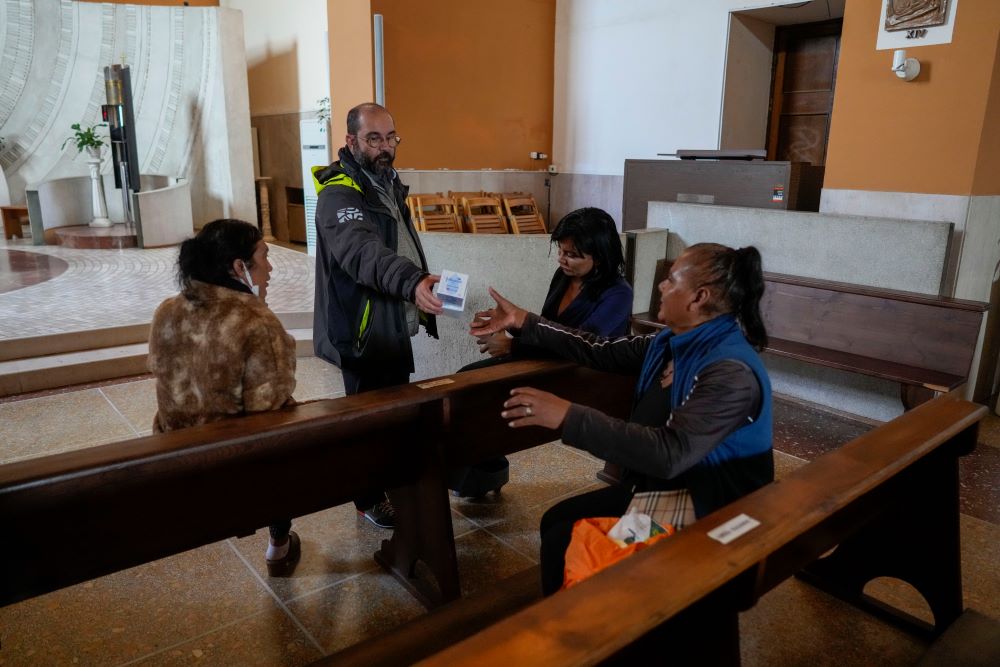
<point x="374" y="141"/>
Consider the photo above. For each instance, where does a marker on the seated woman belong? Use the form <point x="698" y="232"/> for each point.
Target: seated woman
<point x="699" y="435"/>
<point x="218" y="351"/>
<point x="587" y="291"/>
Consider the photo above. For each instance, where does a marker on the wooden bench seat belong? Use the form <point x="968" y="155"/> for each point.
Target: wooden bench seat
<point x="924" y="342"/>
<point x="126" y="503"/>
<point x="888" y="502"/>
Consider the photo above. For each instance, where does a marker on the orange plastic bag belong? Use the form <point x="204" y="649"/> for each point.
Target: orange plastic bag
<point x="591" y="550"/>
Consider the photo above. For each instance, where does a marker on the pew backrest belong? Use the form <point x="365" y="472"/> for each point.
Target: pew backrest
<point x="911" y="338"/>
<point x="808" y="512"/>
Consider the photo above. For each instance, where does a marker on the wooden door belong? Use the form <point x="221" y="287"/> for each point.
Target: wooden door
<point x="802" y="83"/>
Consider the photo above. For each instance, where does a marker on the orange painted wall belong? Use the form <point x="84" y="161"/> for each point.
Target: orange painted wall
<point x="470" y="83"/>
<point x="920" y="136"/>
<point x="349" y="31"/>
<point x="987" y="178"/>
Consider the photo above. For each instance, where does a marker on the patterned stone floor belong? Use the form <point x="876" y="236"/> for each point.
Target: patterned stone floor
<point x="108" y="288"/>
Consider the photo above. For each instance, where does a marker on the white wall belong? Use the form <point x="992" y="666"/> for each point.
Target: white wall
<point x="637" y="78"/>
<point x="287" y="54"/>
<point x="188" y="84"/>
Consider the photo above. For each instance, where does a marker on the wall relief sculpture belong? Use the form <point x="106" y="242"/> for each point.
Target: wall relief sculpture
<point x="909" y="14"/>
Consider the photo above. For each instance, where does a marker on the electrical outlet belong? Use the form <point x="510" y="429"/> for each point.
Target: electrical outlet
<point x="553" y="169"/>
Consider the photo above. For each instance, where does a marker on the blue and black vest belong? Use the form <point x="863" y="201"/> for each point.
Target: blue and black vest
<point x="743" y="461"/>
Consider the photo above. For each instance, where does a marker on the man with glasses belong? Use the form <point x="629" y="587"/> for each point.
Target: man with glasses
<point x="373" y="289"/>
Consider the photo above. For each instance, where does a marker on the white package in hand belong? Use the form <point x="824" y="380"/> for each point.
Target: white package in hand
<point x="451" y="290"/>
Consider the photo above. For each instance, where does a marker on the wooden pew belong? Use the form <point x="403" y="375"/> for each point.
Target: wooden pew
<point x="925" y="343"/>
<point x="888" y="501"/>
<point x="84" y="514"/>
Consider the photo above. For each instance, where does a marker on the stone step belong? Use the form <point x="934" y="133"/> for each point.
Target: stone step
<point x="92" y="339"/>
<point x="51" y="371"/>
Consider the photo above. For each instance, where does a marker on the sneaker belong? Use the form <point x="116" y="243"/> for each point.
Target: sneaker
<point x="382" y="514"/>
<point x="283" y="567"/>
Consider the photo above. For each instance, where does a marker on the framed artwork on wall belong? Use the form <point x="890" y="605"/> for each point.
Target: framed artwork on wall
<point x="905" y="24"/>
<point x="912" y="14"/>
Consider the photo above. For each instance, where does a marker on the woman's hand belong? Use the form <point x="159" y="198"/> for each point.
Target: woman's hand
<point x="496" y="345"/>
<point x="505" y="315"/>
<point x="532" y="407"/>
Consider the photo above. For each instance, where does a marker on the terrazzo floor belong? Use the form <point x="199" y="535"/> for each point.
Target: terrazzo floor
<point x="68" y="290"/>
<point x="216" y="606"/>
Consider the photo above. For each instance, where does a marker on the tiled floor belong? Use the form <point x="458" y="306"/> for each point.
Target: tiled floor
<point x="216" y="606"/>
<point x="108" y="288"/>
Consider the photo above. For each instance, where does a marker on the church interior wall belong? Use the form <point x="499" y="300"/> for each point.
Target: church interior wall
<point x="189" y="86"/>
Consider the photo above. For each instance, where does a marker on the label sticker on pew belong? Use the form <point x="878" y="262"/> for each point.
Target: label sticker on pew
<point x="730" y="530"/>
<point x="435" y="383"/>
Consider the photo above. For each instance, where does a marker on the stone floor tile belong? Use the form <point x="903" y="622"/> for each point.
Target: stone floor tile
<point x="132" y="613"/>
<point x="136" y="401"/>
<point x="336" y="544"/>
<point x="355" y="609"/>
<point x="796" y="624"/>
<point x="268" y="638"/>
<point x="50" y="424"/>
<point x="483" y="560"/>
<point x="316" y="379"/>
<point x="537" y="476"/>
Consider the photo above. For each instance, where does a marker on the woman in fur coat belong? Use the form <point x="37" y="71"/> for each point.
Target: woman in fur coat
<point x="217" y="350"/>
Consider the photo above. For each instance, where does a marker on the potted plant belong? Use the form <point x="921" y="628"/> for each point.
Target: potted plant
<point x="86" y="139"/>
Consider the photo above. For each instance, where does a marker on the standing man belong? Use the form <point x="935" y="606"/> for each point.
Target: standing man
<point x="373" y="289"/>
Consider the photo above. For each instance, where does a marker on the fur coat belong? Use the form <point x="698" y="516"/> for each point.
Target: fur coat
<point x="217" y="352"/>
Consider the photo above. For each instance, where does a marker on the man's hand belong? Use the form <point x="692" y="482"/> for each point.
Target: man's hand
<point x="504" y="315"/>
<point x="496" y="345"/>
<point x="424" y="296"/>
<point x="531" y="407"/>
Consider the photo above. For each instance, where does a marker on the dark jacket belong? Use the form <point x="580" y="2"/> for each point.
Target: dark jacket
<point x="709" y="432"/>
<point x="605" y="314"/>
<point x="359" y="322"/>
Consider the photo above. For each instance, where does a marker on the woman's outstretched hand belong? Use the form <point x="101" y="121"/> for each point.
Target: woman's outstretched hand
<point x="496" y="345"/>
<point x="531" y="407"/>
<point x="505" y="315"/>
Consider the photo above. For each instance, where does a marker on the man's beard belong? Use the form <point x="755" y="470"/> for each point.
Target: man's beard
<point x="380" y="165"/>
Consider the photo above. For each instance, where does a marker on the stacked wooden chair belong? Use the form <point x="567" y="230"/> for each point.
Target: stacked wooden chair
<point x="523" y="215"/>
<point x="436" y="213"/>
<point x="483" y="215"/>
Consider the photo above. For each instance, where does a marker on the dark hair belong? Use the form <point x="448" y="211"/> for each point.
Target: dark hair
<point x="594" y="233"/>
<point x="354" y="115"/>
<point x="209" y="256"/>
<point x="736" y="281"/>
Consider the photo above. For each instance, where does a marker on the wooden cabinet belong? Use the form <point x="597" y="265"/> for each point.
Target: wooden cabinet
<point x="793" y="186"/>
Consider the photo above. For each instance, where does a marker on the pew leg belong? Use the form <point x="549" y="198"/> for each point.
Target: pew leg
<point x="915" y="539"/>
<point x="423" y="532"/>
<point x="611" y="474"/>
<point x="707" y="633"/>
<point x="912" y="396"/>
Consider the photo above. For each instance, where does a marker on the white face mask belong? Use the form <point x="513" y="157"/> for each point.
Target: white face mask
<point x="249" y="282"/>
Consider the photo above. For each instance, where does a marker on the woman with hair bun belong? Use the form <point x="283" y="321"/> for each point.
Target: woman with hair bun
<point x="218" y="351"/>
<point x="699" y="435"/>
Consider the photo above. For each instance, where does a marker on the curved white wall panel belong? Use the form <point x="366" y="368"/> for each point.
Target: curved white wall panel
<point x="189" y="90"/>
